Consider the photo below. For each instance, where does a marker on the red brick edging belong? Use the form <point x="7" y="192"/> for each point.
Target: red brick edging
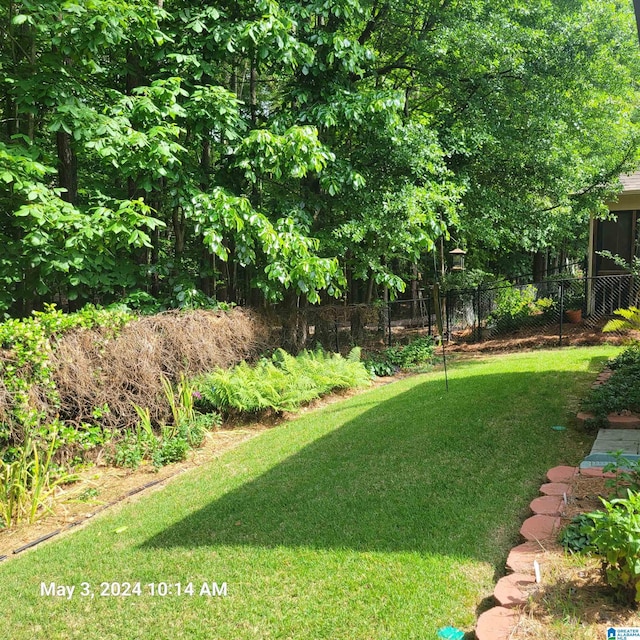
<point x="499" y="622"/>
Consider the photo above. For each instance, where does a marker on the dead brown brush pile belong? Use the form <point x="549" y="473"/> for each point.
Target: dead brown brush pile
<point x="93" y="368"/>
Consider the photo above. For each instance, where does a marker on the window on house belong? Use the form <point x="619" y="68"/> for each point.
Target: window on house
<point x="617" y="237"/>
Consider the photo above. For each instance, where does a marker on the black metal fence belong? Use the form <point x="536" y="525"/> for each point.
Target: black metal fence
<point x="554" y="307"/>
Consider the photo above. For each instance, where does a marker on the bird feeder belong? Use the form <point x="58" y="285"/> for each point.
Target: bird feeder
<point x="458" y="259"/>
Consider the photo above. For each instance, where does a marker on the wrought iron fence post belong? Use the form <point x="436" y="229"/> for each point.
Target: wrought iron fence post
<point x="389" y="321"/>
<point x="429" y="313"/>
<point x="478" y="315"/>
<point x="561" y="309"/>
<point x="447" y="301"/>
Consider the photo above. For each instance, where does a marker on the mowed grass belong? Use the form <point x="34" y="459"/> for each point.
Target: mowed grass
<point x="386" y="515"/>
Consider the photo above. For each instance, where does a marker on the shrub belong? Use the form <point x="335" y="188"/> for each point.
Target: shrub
<point x="418" y="352"/>
<point x="172" y="447"/>
<point x="202" y="423"/>
<point x="630" y="357"/>
<point x="614" y="535"/>
<point x="377" y="365"/>
<point x="513" y="305"/>
<point x="137" y="443"/>
<point x="627" y="474"/>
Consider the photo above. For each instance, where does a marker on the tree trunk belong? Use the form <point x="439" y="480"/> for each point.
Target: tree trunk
<point x="253" y="93"/>
<point x="179" y="230"/>
<point x="357" y="324"/>
<point x="325" y="329"/>
<point x="294" y="322"/>
<point x="11" y="115"/>
<point x="67" y="167"/>
<point x="370" y="289"/>
<point x="539" y="266"/>
<point x="135" y="75"/>
<point x="414" y="291"/>
<point x="155" y="256"/>
<point x="205" y="163"/>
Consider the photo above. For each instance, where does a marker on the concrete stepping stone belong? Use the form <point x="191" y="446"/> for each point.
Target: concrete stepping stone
<point x="561" y="474"/>
<point x="612" y="439"/>
<point x="555" y="489"/>
<point x="540" y="527"/>
<point x="547" y="506"/>
<point x="520" y="559"/>
<point x="509" y="590"/>
<point x="497" y="623"/>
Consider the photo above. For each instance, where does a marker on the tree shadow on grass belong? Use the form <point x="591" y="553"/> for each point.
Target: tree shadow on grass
<point x="423" y="471"/>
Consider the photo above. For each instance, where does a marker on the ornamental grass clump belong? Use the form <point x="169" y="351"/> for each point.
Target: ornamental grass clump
<point x="28" y="479"/>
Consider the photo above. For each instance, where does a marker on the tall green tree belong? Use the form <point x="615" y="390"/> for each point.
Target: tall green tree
<point x="262" y="151"/>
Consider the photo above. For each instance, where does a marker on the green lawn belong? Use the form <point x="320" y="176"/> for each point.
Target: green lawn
<point x="387" y="515"/>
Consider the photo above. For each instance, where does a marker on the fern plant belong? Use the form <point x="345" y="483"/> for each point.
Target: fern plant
<point x="282" y="382"/>
<point x="629" y="320"/>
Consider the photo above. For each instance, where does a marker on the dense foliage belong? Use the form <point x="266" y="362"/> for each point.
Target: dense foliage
<point x="515" y="306"/>
<point x="417" y="353"/>
<point x="260" y="150"/>
<point x="621" y="392"/>
<point x="280" y="383"/>
<point x="614" y="536"/>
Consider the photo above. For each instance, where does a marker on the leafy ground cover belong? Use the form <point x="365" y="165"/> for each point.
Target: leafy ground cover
<point x="387" y="515"/>
<point x="621" y="393"/>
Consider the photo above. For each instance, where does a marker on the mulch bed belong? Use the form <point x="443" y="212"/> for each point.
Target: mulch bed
<point x="582" y="334"/>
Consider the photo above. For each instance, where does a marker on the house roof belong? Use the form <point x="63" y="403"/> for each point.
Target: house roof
<point x="631" y="183"/>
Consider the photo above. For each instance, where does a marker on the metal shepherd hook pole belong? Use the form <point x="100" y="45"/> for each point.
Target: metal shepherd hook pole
<point x="437" y="306"/>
